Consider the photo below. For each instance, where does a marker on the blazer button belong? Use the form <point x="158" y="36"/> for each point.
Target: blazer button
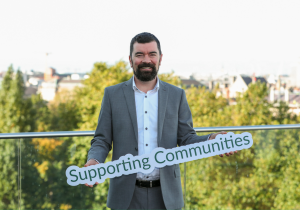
<point x="136" y="148"/>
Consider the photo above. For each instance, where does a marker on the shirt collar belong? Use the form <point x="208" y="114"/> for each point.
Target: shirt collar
<point x="156" y="87"/>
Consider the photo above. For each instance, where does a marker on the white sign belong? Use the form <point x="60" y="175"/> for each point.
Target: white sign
<point x="158" y="158"/>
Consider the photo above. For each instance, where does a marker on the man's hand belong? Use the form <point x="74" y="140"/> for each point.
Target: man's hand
<point x="90" y="163"/>
<point x="213" y="136"/>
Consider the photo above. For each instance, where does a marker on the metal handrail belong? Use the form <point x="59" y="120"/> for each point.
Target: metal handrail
<point x="91" y="133"/>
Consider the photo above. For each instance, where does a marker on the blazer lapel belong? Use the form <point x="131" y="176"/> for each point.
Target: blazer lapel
<point x="162" y="105"/>
<point x="130" y="101"/>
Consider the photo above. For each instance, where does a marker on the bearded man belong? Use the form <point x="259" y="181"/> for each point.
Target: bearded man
<point x="136" y="117"/>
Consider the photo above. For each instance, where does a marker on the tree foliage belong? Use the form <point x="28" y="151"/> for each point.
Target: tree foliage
<point x="262" y="177"/>
<point x="15" y="117"/>
<point x="256" y="178"/>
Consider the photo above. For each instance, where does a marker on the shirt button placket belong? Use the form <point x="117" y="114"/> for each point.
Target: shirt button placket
<point x="146" y="124"/>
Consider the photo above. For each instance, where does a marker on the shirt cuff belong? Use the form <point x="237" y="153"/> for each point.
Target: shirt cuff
<point x="94" y="159"/>
<point x="208" y="136"/>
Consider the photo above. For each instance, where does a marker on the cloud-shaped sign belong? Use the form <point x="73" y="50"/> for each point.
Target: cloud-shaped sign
<point x="158" y="158"/>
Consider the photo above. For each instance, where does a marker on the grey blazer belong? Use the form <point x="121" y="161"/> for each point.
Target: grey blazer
<point x="117" y="127"/>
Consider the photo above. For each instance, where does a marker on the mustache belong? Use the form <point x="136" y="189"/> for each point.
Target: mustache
<point x="146" y="65"/>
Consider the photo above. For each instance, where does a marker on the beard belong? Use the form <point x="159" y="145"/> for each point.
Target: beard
<point x="145" y="75"/>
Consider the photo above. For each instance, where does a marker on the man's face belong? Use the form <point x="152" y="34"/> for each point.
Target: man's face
<point x="145" y="60"/>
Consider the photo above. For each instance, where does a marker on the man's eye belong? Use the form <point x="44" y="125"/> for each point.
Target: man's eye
<point x="152" y="55"/>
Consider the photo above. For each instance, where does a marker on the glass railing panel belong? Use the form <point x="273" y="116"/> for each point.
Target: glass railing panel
<point x="44" y="183"/>
<point x="265" y="176"/>
<point x="262" y="177"/>
<point x="10" y="176"/>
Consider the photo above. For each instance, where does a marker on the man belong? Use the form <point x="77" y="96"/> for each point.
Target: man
<point x="137" y="116"/>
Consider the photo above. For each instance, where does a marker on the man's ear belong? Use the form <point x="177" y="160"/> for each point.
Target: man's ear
<point x="130" y="61"/>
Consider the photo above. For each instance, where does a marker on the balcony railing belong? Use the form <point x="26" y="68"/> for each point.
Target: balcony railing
<point x="91" y="133"/>
<point x="263" y="177"/>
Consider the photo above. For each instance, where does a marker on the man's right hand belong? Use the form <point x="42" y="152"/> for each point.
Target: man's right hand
<point x="214" y="135"/>
<point x="90" y="163"/>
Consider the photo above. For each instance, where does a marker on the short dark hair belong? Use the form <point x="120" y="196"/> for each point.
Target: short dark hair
<point x="144" y="37"/>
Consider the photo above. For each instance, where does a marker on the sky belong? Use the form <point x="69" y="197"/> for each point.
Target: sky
<point x="197" y="37"/>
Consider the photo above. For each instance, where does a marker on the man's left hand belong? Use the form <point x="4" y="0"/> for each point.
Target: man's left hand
<point x="213" y="136"/>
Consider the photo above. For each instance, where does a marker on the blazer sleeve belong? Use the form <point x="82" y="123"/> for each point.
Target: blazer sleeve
<point x="101" y="144"/>
<point x="186" y="133"/>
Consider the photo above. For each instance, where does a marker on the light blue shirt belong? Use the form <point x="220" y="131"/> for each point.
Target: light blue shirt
<point x="147" y="115"/>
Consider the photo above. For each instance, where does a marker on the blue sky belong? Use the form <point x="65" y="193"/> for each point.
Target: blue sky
<point x="196" y="36"/>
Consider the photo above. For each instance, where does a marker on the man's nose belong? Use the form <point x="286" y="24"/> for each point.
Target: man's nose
<point x="146" y="59"/>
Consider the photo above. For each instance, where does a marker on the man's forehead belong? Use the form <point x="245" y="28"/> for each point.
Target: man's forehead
<point x="141" y="47"/>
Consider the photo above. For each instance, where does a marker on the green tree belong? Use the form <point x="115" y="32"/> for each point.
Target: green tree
<point x="205" y="106"/>
<point x="41" y="114"/>
<point x="15" y="117"/>
<point x="261" y="177"/>
<point x="252" y="107"/>
<point x="15" y="111"/>
<point x="170" y="78"/>
<point x="65" y="113"/>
